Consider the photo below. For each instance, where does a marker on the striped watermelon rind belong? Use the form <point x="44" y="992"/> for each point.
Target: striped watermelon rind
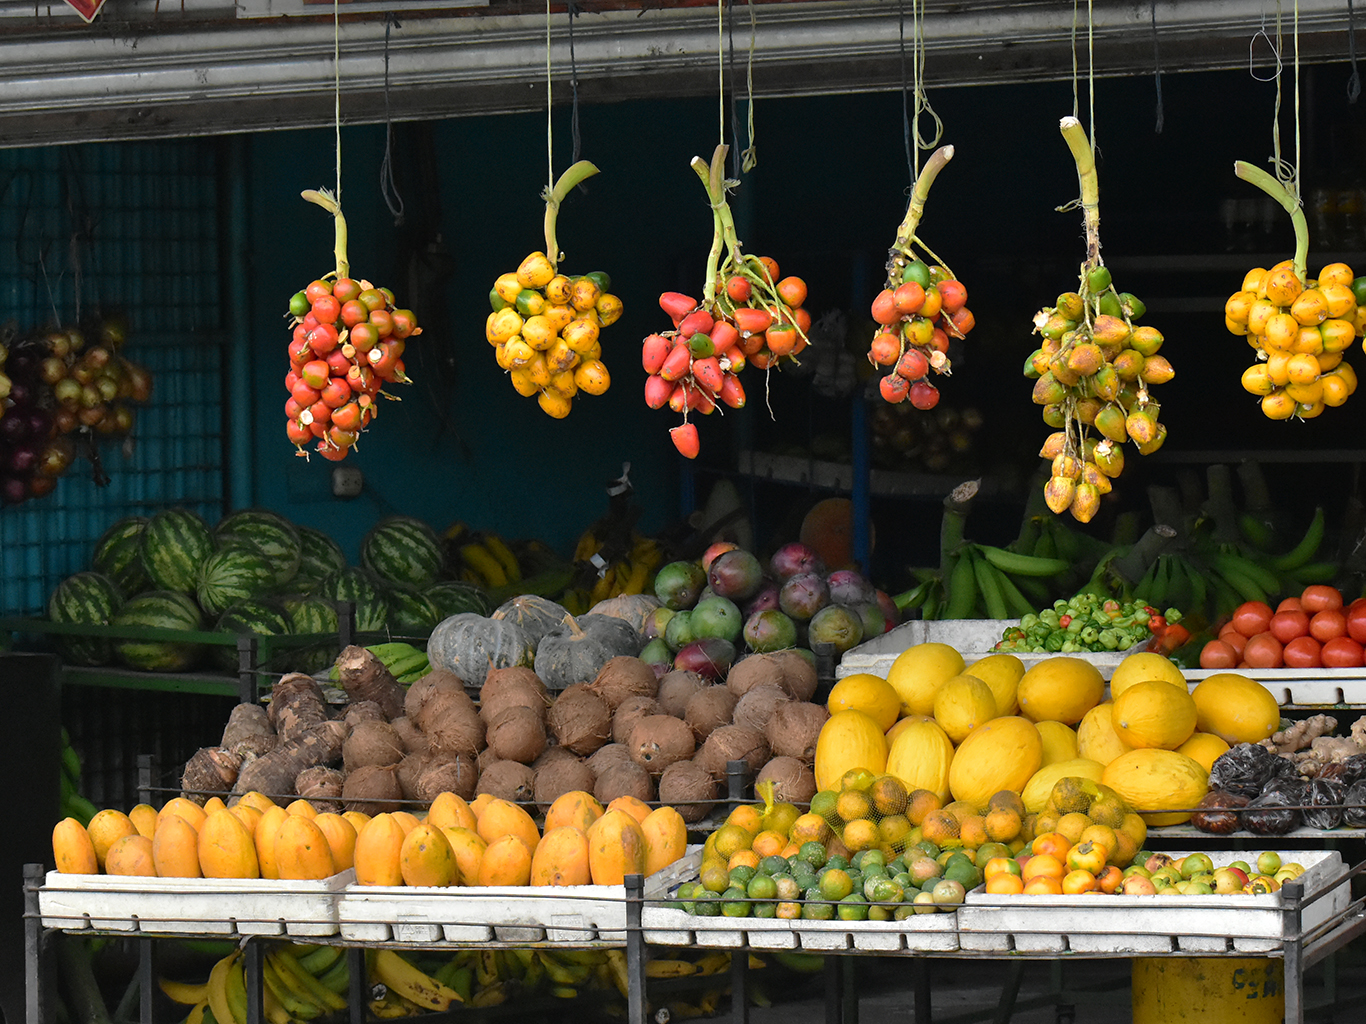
<point x="450" y="597"/>
<point x="118" y="555"/>
<point x="311" y="615"/>
<point x="264" y="531"/>
<point x="163" y="609"/>
<point x="360" y="587"/>
<point x="260" y="617"/>
<point x="402" y="549"/>
<point x="233" y="575"/>
<point x="320" y="557"/>
<point x="173" y="547"/>
<point x="411" y="613"/>
<point x="89" y="599"/>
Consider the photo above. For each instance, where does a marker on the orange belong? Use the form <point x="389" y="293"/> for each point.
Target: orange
<point x="920" y="803"/>
<point x="1076" y="882"/>
<point x="768" y="843"/>
<point x="860" y="834"/>
<point x="1043" y="885"/>
<point x="748" y="817"/>
<point x="1051" y="843"/>
<point x="1001" y="865"/>
<point x="1043" y="864"/>
<point x="1004" y="884"/>
<point x="742" y="858"/>
<point x="732" y="838"/>
<point x="810" y="827"/>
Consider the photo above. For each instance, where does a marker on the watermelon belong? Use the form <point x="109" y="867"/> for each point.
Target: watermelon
<point x="361" y="588"/>
<point x="117" y="555"/>
<point x="411" y="614"/>
<point x="311" y="615"/>
<point x="320" y="557"/>
<point x="402" y="549"/>
<point x="450" y="597"/>
<point x="266" y="532"/>
<point x="231" y="575"/>
<point x="261" y="617"/>
<point x="88" y="598"/>
<point x="174" y="545"/>
<point x="164" y="609"/>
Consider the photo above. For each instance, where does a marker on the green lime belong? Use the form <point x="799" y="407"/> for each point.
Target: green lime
<point x="1098" y="279"/>
<point x="838" y="861"/>
<point x="965" y="873"/>
<point x="823" y="803"/>
<point x="928" y="848"/>
<point x="813" y="853"/>
<point x="883" y="890"/>
<point x="773" y="865"/>
<point x="741" y="874"/>
<point x="902" y="911"/>
<point x="787" y="886"/>
<point x="896" y="865"/>
<point x="817" y="910"/>
<point x="918" y="272"/>
<point x="836" y="884"/>
<point x="805" y="876"/>
<point x="299" y="304"/>
<point x="866" y="857"/>
<point x="765" y="910"/>
<point x="876" y="913"/>
<point x="903" y="879"/>
<point x="762" y="887"/>
<point x="707" y="908"/>
<point x="733" y="903"/>
<point x="852" y="908"/>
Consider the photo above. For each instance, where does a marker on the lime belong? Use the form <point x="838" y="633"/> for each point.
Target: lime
<point x="852" y="908"/>
<point x="734" y="903"/>
<point x="813" y="853"/>
<point x="765" y="910"/>
<point x="773" y="865"/>
<point x="876" y="913"/>
<point x="838" y="861"/>
<point x="903" y="879"/>
<point x="883" y="890"/>
<point x="805" y="876"/>
<point x="818" y="911"/>
<point x="901" y="912"/>
<point x="762" y="887"/>
<point x="787" y="887"/>
<point x="926" y="847"/>
<point x="707" y="908"/>
<point x="835" y="884"/>
<point x="741" y="874"/>
<point x="865" y="857"/>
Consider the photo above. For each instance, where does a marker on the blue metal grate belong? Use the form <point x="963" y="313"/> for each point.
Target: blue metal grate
<point x="133" y="226"/>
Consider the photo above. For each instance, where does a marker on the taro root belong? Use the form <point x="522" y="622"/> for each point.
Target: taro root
<point x="274" y="772"/>
<point x="799" y="674"/>
<point x="373" y="789"/>
<point x="608" y="757"/>
<point x="364" y="677"/>
<point x="517" y="734"/>
<point x="793" y="729"/>
<point x="733" y="743"/>
<point x="372" y="741"/>
<point x="1217" y="812"/>
<point x="674" y="690"/>
<point x="246" y="720"/>
<point x="708" y="709"/>
<point x="508" y="780"/>
<point x="509" y="687"/>
<point x="627" y="779"/>
<point x="248" y="748"/>
<point x="363" y="711"/>
<point x="658" y="741"/>
<point x="438" y="680"/>
<point x="628" y="713"/>
<point x="447" y="775"/>
<point x="755" y="670"/>
<point x="684" y="782"/>
<point x="210" y="772"/>
<point x="414" y="741"/>
<point x="410" y="770"/>
<point x="624" y="677"/>
<point x="560" y="777"/>
<point x="580" y="720"/>
<point x="296" y="705"/>
<point x="756" y="707"/>
<point x="451" y="724"/>
<point x="321" y="787"/>
<point x="793" y="780"/>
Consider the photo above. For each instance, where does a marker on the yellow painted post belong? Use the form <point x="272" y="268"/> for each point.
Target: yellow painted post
<point x="1208" y="990"/>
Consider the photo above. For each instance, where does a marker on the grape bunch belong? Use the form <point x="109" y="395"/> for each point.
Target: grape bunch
<point x="545" y="332"/>
<point x="348" y="342"/>
<point x="919" y="311"/>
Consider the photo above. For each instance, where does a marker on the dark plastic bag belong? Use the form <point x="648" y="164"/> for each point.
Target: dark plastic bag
<point x="1273" y="812"/>
<point x="1354" y="813"/>
<point x="1247" y="769"/>
<point x="1218" y="812"/>
<point x="1348" y="772"/>
<point x="1324" y="805"/>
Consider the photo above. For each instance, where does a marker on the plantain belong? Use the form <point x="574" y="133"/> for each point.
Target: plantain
<point x="498" y="548"/>
<point x="1307" y="547"/>
<point x="477" y="557"/>
<point x="669" y="969"/>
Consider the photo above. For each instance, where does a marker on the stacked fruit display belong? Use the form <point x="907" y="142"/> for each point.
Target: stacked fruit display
<point x="1087" y="622"/>
<point x="1312" y="630"/>
<point x="58" y="386"/>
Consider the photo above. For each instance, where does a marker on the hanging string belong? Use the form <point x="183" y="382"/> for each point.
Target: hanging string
<point x="1354" y="79"/>
<point x="736" y="162"/>
<point x="549" y="134"/>
<point x="573" y="11"/>
<point x="1286" y="173"/>
<point x="336" y="90"/>
<point x="912" y="159"/>
<point x="387" y="187"/>
<point x="750" y="157"/>
<point x="1157" y="65"/>
<point x="922" y="102"/>
<point x="721" y="70"/>
<point x="1076" y="94"/>
<point x="1091" y="71"/>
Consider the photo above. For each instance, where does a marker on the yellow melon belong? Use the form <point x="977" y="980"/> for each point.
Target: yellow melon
<point x="1002" y="673"/>
<point x="902" y="724"/>
<point x="865" y="692"/>
<point x="1040" y="786"/>
<point x="1096" y="736"/>
<point x="1153" y="713"/>
<point x="920" y="757"/>
<point x="1060" y="689"/>
<point x="1142" y="666"/>
<point x="962" y="704"/>
<point x="919" y="671"/>
<point x="1059" y="742"/>
<point x="1235" y="708"/>
<point x="1204" y="747"/>
<point x="1001" y="754"/>
<point x="849" y="739"/>
<point x="1160" y="784"/>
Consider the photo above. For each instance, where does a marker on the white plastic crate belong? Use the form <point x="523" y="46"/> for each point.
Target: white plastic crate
<point x="1302" y="687"/>
<point x="1158" y="924"/>
<point x="204" y="906"/>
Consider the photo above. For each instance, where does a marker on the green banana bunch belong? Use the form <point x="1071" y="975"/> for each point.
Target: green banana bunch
<point x="985" y="581"/>
<point x="71" y="803"/>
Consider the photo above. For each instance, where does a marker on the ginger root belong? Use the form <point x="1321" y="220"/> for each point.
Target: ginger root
<point x="1302" y="735"/>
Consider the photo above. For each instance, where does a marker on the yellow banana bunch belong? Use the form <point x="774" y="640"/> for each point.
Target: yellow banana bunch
<point x="401" y="977"/>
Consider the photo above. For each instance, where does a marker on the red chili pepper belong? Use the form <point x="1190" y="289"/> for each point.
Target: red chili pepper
<point x="1157" y="622"/>
<point x="1167" y="639"/>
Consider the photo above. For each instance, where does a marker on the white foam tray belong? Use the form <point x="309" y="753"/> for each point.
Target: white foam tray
<point x="1158" y="924"/>
<point x="203" y="906"/>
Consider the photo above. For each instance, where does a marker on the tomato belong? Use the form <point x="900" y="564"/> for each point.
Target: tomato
<point x="1327" y="624"/>
<point x="1319" y="597"/>
<point x="1263" y="651"/>
<point x="1356" y="620"/>
<point x="1290" y="604"/>
<point x="1342" y="652"/>
<point x="1233" y="638"/>
<point x="1087" y="856"/>
<point x="1303" y="652"/>
<point x="1286" y="625"/>
<point x="792" y="290"/>
<point x="1218" y="654"/>
<point x="1252" y="617"/>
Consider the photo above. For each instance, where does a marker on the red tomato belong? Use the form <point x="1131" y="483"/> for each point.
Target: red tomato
<point x="1356" y="620"/>
<point x="1286" y="625"/>
<point x="1319" y="596"/>
<point x="1263" y="651"/>
<point x="1252" y="617"/>
<point x="1303" y="652"/>
<point x="1342" y="652"/>
<point x="1327" y="624"/>
<point x="1290" y="604"/>
<point x="1233" y="638"/>
<point x="1218" y="654"/>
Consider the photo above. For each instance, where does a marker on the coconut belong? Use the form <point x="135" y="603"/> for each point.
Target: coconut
<point x="438" y="680"/>
<point x="628" y="713"/>
<point x="709" y="708"/>
<point x="658" y="741"/>
<point x="373" y="789"/>
<point x="413" y="739"/>
<point x="554" y="754"/>
<point x="674" y="690"/>
<point x="508" y="780"/>
<point x="733" y="743"/>
<point x="793" y="729"/>
<point x="410" y="770"/>
<point x="517" y="734"/>
<point x="793" y="780"/>
<point x="607" y="757"/>
<point x="624" y="677"/>
<point x="580" y="719"/>
<point x="756" y="707"/>
<point x="627" y="779"/>
<point x="372" y="741"/>
<point x="451" y="724"/>
<point x="562" y="776"/>
<point x="322" y="787"/>
<point x="363" y="711"/>
<point x="685" y="781"/>
<point x="447" y="775"/>
<point x="506" y="687"/>
<point x="486" y="757"/>
<point x="799" y="674"/>
<point x="754" y="670"/>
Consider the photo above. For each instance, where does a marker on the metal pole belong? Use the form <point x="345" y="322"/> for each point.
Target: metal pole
<point x="246" y="668"/>
<point x="358" y="992"/>
<point x="37" y="971"/>
<point x="146" y="777"/>
<point x="253" y="957"/>
<point x="737" y="778"/>
<point x="1292" y="900"/>
<point x="635" y="949"/>
<point x="739" y="987"/>
<point x="147" y="980"/>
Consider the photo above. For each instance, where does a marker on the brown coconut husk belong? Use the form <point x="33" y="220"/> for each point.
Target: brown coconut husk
<point x="508" y="780"/>
<point x="708" y="709"/>
<point x="607" y="757"/>
<point x="685" y="781"/>
<point x="754" y="670"/>
<point x="486" y="757"/>
<point x="372" y="741"/>
<point x="733" y="743"/>
<point x="627" y="779"/>
<point x="628" y="713"/>
<point x="799" y="675"/>
<point x="624" y="677"/>
<point x="410" y="770"/>
<point x="580" y="720"/>
<point x="562" y="776"/>
<point x="793" y="729"/>
<point x="514" y="686"/>
<point x="674" y="690"/>
<point x="756" y="707"/>
<point x="451" y="724"/>
<point x="438" y="680"/>
<point x="447" y="775"/>
<point x="793" y="780"/>
<point x="373" y="789"/>
<point x="321" y="787"/>
<point x="658" y="741"/>
<point x="414" y="741"/>
<point x="517" y="734"/>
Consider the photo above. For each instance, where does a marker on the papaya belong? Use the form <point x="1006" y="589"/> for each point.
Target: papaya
<point x="72" y="849"/>
<point x="341" y="839"/>
<point x="302" y="850"/>
<point x="469" y="849"/>
<point x="263" y="836"/>
<point x="130" y="855"/>
<point x="186" y="808"/>
<point x="378" y="848"/>
<point x="253" y="798"/>
<point x="507" y="861"/>
<point x="561" y="857"/>
<point x="407" y="820"/>
<point x="502" y="818"/>
<point x="357" y="819"/>
<point x="426" y="857"/>
<point x="301" y="807"/>
<point x="144" y="817"/>
<point x="449" y="810"/>
<point x="226" y="848"/>
<point x="634" y="806"/>
<point x="214" y="803"/>
<point x="1154" y="780"/>
<point x="106" y="828"/>
<point x="575" y="808"/>
<point x="248" y="816"/>
<point x="616" y="848"/>
<point x="175" y="849"/>
<point x="666" y="838"/>
<point x="478" y="804"/>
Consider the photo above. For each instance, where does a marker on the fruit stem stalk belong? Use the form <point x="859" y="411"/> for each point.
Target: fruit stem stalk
<point x="325" y="199"/>
<point x="568" y="181"/>
<point x="1268" y="184"/>
<point x="905" y="234"/>
<point x="1075" y="137"/>
<point x="713" y="177"/>
<point x="953" y="526"/>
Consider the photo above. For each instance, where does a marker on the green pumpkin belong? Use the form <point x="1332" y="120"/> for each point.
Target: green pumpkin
<point x="470" y="645"/>
<point x="576" y="652"/>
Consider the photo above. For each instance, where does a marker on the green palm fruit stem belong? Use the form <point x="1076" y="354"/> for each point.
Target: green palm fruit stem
<point x="915" y="209"/>
<point x="1289" y="203"/>
<point x="554" y="196"/>
<point x="953" y="524"/>
<point x="322" y="197"/>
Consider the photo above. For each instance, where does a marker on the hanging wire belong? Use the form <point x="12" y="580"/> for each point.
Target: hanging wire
<point x="750" y="157"/>
<point x="1076" y="94"/>
<point x="1091" y="70"/>
<point x="1354" y="79"/>
<point x="572" y="9"/>
<point x="1287" y="173"/>
<point x="736" y="162"/>
<point x="912" y="160"/>
<point x="1157" y="65"/>
<point x="549" y="134"/>
<point x="336" y="91"/>
<point x="922" y="102"/>
<point x="387" y="186"/>
<point x="721" y="70"/>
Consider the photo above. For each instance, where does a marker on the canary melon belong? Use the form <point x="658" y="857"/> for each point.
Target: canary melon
<point x="1002" y="672"/>
<point x="1154" y="713"/>
<point x="848" y="739"/>
<point x="962" y="704"/>
<point x="1059" y="742"/>
<point x="919" y="671"/>
<point x="1060" y="689"/>
<point x="1001" y="754"/>
<point x="1143" y="666"/>
<point x="1036" y="791"/>
<point x="1205" y="747"/>
<point x="865" y="692"/>
<point x="920" y="756"/>
<point x="1160" y="784"/>
<point x="1235" y="708"/>
<point x="1096" y="736"/>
